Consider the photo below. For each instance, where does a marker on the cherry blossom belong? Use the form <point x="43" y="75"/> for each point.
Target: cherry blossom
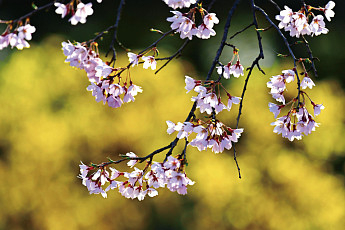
<point x="24" y="32"/>
<point x="317" y="108"/>
<point x="187" y="28"/>
<point x="225" y="70"/>
<point x="149" y="62"/>
<point x="307" y="82"/>
<point x="133" y="58"/>
<point x="61" y="9"/>
<point x="190" y="83"/>
<point x="274" y="108"/>
<point x="179" y="3"/>
<point x="232" y="100"/>
<point x="205" y="32"/>
<point x="329" y="13"/>
<point x="237" y="69"/>
<point x="131" y="163"/>
<point x="297" y="23"/>
<point x="317" y="26"/>
<point x="210" y="20"/>
<point x="83" y="10"/>
<point x="170" y="174"/>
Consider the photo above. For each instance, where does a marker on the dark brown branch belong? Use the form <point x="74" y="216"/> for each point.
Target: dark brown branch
<point x="157" y="41"/>
<point x="116" y="25"/>
<point x="275" y="4"/>
<point x="244" y="29"/>
<point x="176" y="54"/>
<point x="223" y="41"/>
<point x="287" y="46"/>
<point x="311" y="57"/>
<point x="28" y="15"/>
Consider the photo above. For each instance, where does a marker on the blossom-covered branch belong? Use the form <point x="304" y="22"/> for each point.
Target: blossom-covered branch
<point x="114" y="85"/>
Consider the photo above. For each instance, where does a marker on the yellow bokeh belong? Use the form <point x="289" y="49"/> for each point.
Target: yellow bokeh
<point x="49" y="122"/>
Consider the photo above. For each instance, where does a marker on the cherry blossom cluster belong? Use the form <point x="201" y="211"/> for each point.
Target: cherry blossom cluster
<point x="138" y="183"/>
<point x="298" y="121"/>
<point x="17" y="38"/>
<point x="297" y="23"/>
<point x="235" y="69"/>
<point x="179" y="3"/>
<point x="207" y="99"/>
<point x="149" y="61"/>
<point x="79" y="14"/>
<point x="212" y="134"/>
<point x="185" y="24"/>
<point x="277" y="84"/>
<point x="102" y="76"/>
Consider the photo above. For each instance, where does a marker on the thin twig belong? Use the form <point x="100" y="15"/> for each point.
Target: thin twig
<point x="157" y="41"/>
<point x="257" y="8"/>
<point x="116" y="25"/>
<point x="28" y="15"/>
<point x="311" y="57"/>
<point x="275" y="4"/>
<point x="176" y="54"/>
<point x="238" y="32"/>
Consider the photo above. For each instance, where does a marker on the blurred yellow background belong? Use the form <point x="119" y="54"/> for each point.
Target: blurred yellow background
<point x="49" y="123"/>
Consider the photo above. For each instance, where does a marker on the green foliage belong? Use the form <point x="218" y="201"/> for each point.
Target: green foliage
<point x="49" y="122"/>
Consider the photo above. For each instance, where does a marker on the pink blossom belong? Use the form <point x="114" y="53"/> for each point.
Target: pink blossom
<point x="83" y="10"/>
<point x="133" y="58"/>
<point x="179" y="3"/>
<point x="317" y="26"/>
<point x="329" y="13"/>
<point x="149" y="62"/>
<point x="131" y="163"/>
<point x="232" y="100"/>
<point x="61" y="9"/>
<point x="307" y="82"/>
<point x="237" y="69"/>
<point x="210" y="19"/>
<point x="25" y="32"/>
<point x="275" y="109"/>
<point x="317" y="109"/>
<point x="190" y="83"/>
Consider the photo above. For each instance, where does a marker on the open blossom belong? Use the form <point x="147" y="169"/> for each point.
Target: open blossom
<point x="317" y="109"/>
<point x="190" y="83"/>
<point x="301" y="124"/>
<point x="133" y="58"/>
<point x="61" y="9"/>
<point x="17" y="38"/>
<point x="214" y="135"/>
<point x="237" y="69"/>
<point x="179" y="3"/>
<point x="275" y="109"/>
<point x="149" y="61"/>
<point x="176" y="19"/>
<point x="284" y="17"/>
<point x="24" y="32"/>
<point x="135" y="184"/>
<point x="278" y="84"/>
<point x="307" y="82"/>
<point x="317" y="26"/>
<point x="297" y="23"/>
<point x="329" y="13"/>
<point x="187" y="27"/>
<point x="225" y="70"/>
<point x="205" y="32"/>
<point x="232" y="100"/>
<point x="83" y="10"/>
<point x="98" y="72"/>
<point x="131" y="163"/>
<point x="210" y="20"/>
